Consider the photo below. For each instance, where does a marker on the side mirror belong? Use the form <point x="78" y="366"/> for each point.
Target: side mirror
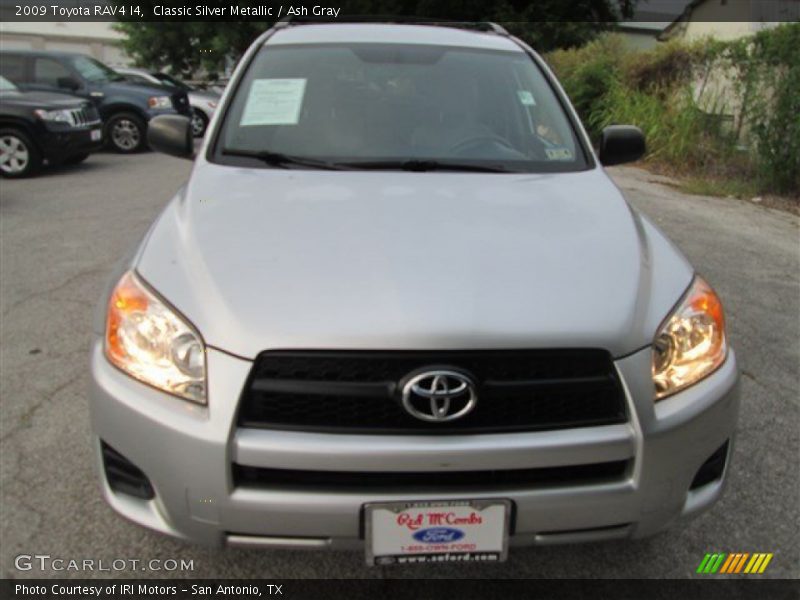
<point x="621" y="144"/>
<point x="171" y="134"/>
<point x="68" y="83"/>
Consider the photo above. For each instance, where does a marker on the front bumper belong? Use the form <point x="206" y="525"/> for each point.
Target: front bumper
<point x="186" y="451"/>
<point x="59" y="145"/>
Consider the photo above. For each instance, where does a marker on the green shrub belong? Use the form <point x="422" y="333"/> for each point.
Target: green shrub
<point x="769" y="83"/>
<point x="657" y="90"/>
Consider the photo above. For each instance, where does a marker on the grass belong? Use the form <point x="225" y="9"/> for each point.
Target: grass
<point x="707" y="186"/>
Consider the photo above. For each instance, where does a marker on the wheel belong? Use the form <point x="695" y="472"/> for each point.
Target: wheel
<point x="125" y="133"/>
<point x="74" y="160"/>
<point x="199" y="123"/>
<point x="19" y="156"/>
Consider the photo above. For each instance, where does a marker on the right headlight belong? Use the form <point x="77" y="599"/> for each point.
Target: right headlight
<point x="150" y="341"/>
<point x="691" y="342"/>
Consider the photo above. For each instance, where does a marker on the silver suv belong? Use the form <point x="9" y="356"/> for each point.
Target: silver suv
<point x="400" y="307"/>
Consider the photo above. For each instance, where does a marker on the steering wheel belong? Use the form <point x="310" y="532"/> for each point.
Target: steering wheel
<point x="479" y="140"/>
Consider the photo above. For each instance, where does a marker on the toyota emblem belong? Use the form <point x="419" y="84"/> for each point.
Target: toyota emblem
<point x="439" y="396"/>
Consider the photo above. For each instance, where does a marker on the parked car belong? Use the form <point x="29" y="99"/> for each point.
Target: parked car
<point x="38" y="128"/>
<point x="125" y="107"/>
<point x="400" y="306"/>
<point x="203" y="102"/>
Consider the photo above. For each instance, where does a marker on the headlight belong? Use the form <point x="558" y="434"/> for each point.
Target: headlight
<point x="59" y="116"/>
<point x="159" y="102"/>
<point x="151" y="342"/>
<point x="691" y="342"/>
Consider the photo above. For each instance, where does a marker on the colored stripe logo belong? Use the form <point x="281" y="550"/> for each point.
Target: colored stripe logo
<point x="735" y="562"/>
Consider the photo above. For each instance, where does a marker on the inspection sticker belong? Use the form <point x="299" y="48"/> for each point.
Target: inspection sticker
<point x="274" y="102"/>
<point x="558" y="153"/>
<point x="526" y="98"/>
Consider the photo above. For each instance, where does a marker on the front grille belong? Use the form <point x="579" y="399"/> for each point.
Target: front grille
<point x="356" y="391"/>
<point x="86" y="115"/>
<point x="286" y="479"/>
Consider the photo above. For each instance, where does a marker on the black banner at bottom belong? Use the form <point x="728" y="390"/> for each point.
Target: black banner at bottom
<point x="386" y="589"/>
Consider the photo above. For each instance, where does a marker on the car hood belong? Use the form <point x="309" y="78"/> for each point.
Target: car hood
<point x="268" y="258"/>
<point x="44" y="100"/>
<point x="143" y="89"/>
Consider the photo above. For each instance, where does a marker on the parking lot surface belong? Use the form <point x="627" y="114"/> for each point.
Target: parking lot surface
<point x="60" y="235"/>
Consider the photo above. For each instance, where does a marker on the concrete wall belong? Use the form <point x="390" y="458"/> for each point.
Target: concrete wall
<point x="98" y="40"/>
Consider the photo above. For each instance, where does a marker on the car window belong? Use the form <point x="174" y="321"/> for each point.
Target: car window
<point x="348" y="103"/>
<point x="13" y="68"/>
<point x="171" y="81"/>
<point x="48" y="71"/>
<point x="93" y="70"/>
<point x="6" y="85"/>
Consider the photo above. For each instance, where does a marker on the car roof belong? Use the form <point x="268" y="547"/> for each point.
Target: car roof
<point x="51" y="53"/>
<point x="391" y="33"/>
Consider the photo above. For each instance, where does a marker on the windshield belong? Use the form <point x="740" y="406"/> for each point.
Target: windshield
<point x="6" y="85"/>
<point x="360" y="104"/>
<point x="93" y="70"/>
<point x="171" y="81"/>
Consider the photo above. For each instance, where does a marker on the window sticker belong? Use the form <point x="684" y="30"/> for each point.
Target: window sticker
<point x="558" y="153"/>
<point x="274" y="102"/>
<point x="526" y="98"/>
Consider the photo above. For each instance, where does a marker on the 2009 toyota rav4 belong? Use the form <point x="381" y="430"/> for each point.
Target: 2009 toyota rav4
<point x="400" y="306"/>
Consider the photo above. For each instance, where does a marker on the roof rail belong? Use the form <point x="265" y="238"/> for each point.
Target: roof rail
<point x="485" y="26"/>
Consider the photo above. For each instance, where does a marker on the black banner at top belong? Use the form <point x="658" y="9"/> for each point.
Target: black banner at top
<point x="339" y="10"/>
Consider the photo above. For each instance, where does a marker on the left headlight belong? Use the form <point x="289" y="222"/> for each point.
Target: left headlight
<point x="691" y="342"/>
<point x="58" y="116"/>
<point x="153" y="343"/>
<point x="159" y="102"/>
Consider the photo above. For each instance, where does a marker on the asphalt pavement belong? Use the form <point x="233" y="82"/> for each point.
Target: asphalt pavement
<point x="60" y="235"/>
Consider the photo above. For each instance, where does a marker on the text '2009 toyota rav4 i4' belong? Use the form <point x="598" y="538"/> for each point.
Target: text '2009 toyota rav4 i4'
<point x="400" y="306"/>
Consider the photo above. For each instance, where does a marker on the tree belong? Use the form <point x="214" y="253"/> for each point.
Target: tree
<point x="185" y="47"/>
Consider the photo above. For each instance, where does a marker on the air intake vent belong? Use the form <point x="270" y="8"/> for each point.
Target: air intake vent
<point x="244" y="476"/>
<point x="712" y="469"/>
<point x="123" y="476"/>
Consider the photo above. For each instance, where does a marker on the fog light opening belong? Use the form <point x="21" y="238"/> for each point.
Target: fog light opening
<point x="711" y="470"/>
<point x="123" y="476"/>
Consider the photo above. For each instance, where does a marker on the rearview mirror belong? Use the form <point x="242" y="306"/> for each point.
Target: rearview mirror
<point x="171" y="134"/>
<point x="621" y="144"/>
<point x="68" y="83"/>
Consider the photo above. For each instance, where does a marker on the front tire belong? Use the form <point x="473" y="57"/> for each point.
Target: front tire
<point x="19" y="156"/>
<point x="199" y="123"/>
<point x="125" y="133"/>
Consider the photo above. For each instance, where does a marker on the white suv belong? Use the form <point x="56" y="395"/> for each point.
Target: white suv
<point x="400" y="306"/>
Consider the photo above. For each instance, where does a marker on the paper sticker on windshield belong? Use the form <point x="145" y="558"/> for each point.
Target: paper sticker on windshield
<point x="558" y="153"/>
<point x="526" y="98"/>
<point x="274" y="102"/>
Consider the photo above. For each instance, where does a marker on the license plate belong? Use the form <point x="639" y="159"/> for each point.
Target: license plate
<point x="439" y="531"/>
<point x="96" y="135"/>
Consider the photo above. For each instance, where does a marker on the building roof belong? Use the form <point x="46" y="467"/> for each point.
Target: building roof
<point x="761" y="11"/>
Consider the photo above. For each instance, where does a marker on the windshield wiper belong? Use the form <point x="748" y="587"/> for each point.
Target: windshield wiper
<point x="278" y="159"/>
<point x="425" y="165"/>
